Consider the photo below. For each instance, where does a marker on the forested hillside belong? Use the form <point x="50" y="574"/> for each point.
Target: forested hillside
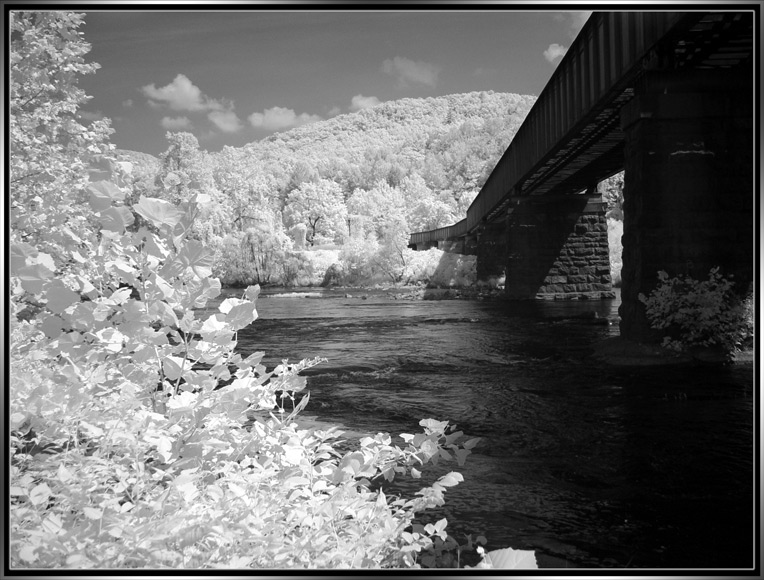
<point x="356" y="185"/>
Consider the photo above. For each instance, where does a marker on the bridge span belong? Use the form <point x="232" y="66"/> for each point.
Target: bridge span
<point x="666" y="97"/>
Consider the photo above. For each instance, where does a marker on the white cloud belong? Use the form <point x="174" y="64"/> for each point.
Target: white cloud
<point x="180" y="95"/>
<point x="360" y="102"/>
<point x="277" y="118"/>
<point x="555" y="52"/>
<point x="226" y="121"/>
<point x="176" y="123"/>
<point x="127" y="103"/>
<point x="406" y="70"/>
<point x="183" y="95"/>
<point x="334" y="111"/>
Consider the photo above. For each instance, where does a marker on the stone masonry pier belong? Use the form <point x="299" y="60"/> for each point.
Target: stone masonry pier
<point x="558" y="249"/>
<point x="689" y="189"/>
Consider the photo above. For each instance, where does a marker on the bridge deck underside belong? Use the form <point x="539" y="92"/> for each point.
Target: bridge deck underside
<point x="572" y="138"/>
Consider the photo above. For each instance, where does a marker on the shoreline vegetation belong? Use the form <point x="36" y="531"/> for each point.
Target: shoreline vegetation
<point x="388" y="291"/>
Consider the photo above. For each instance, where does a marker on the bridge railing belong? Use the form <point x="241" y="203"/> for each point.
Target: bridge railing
<point x="449" y="232"/>
<point x="602" y="59"/>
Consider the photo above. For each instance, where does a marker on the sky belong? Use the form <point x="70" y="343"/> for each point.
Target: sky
<point x="232" y="75"/>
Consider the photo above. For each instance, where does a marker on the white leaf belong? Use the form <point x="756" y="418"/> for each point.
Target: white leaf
<point x="39" y="494"/>
<point x="64" y="475"/>
<point x="52" y="524"/>
<point x="92" y="513"/>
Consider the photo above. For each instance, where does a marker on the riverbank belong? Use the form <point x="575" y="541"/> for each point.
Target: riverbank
<point x="407" y="292"/>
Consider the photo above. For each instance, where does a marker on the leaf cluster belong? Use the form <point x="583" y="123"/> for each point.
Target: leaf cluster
<point x="699" y="312"/>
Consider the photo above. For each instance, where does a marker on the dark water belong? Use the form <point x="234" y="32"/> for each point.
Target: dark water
<point x="596" y="465"/>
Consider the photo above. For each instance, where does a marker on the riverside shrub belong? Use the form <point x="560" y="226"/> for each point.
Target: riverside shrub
<point x="142" y="439"/>
<point x="699" y="313"/>
<point x="439" y="268"/>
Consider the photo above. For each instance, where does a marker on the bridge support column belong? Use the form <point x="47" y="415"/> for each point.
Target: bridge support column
<point x="491" y="251"/>
<point x="558" y="249"/>
<point x="470" y="245"/>
<point x="688" y="185"/>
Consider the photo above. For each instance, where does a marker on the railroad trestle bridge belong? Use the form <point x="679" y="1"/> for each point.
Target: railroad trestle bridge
<point x="666" y="97"/>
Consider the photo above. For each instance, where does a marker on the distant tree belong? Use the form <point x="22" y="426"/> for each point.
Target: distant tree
<point x="320" y="206"/>
<point x="185" y="171"/>
<point x="372" y="208"/>
<point x="246" y="191"/>
<point x="433" y="171"/>
<point x="181" y="173"/>
<point x="379" y="164"/>
<point x="358" y="256"/>
<point x="393" y="253"/>
<point x="145" y="170"/>
<point x="267" y="245"/>
<point x="464" y="200"/>
<point x="303" y="172"/>
<point x="426" y="210"/>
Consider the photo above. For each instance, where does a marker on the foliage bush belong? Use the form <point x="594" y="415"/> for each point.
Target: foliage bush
<point x="315" y="264"/>
<point x="166" y="448"/>
<point x="357" y="258"/>
<point x="439" y="268"/>
<point x="700" y="313"/>
<point x="455" y="270"/>
<point x="231" y="263"/>
<point x="140" y="438"/>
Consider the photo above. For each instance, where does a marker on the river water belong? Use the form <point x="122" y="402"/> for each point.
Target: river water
<point x="590" y="465"/>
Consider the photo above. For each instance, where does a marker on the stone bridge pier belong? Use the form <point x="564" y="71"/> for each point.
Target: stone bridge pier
<point x="557" y="248"/>
<point x="688" y="184"/>
<point x="491" y="251"/>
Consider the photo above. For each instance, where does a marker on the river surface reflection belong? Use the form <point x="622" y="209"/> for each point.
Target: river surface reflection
<point x="599" y="466"/>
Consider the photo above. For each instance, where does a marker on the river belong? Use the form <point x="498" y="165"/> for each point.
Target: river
<point x="588" y="464"/>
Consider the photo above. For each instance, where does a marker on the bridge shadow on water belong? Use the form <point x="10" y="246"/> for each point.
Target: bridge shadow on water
<point x="588" y="464"/>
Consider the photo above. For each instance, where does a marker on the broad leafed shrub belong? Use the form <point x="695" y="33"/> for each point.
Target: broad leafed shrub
<point x="141" y="438"/>
<point x="699" y="313"/>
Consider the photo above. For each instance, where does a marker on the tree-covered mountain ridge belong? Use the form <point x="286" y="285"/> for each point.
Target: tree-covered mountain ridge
<point x="359" y="182"/>
<point x="407" y="121"/>
<point x="451" y="141"/>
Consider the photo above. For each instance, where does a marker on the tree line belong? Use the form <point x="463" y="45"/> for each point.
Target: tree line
<point x="358" y="184"/>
